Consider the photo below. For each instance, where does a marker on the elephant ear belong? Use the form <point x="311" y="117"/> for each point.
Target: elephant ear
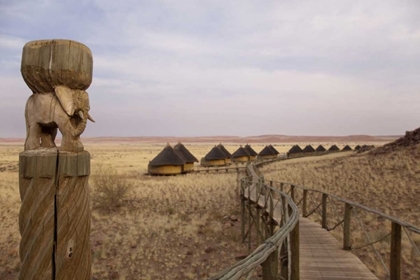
<point x="65" y="96"/>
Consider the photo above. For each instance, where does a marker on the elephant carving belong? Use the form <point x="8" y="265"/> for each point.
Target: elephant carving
<point x="66" y="109"/>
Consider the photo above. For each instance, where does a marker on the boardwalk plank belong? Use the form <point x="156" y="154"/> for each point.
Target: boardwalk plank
<point x="321" y="256"/>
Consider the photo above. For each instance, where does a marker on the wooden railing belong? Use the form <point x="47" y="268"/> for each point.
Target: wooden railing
<point x="263" y="208"/>
<point x="347" y="216"/>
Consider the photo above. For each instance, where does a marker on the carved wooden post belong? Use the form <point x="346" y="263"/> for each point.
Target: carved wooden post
<point x="324" y="210"/>
<point x="54" y="219"/>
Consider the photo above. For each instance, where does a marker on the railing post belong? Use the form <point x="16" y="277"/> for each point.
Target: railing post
<point x="270" y="265"/>
<point x="243" y="182"/>
<point x="292" y="192"/>
<point x="346" y="230"/>
<point x="281" y="187"/>
<point x="324" y="210"/>
<point x="395" y="257"/>
<point x="304" y="205"/>
<point x="294" y="249"/>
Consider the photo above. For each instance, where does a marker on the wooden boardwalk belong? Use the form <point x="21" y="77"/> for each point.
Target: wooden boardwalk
<point x="322" y="256"/>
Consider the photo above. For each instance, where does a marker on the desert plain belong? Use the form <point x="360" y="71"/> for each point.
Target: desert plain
<point x="187" y="227"/>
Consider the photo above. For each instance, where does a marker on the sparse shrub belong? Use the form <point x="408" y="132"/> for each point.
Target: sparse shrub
<point x="110" y="190"/>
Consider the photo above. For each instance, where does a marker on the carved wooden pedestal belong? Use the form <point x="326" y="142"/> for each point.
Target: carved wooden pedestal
<point x="54" y="219"/>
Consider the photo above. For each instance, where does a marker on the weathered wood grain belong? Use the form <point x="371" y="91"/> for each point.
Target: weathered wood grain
<point x="50" y="63"/>
<point x="54" y="218"/>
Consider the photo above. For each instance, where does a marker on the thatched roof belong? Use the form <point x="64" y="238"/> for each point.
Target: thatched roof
<point x="250" y="150"/>
<point x="320" y="149"/>
<point x="333" y="148"/>
<point x="168" y="156"/>
<point x="357" y="147"/>
<point x="267" y="151"/>
<point x="215" y="154"/>
<point x="240" y="152"/>
<point x="186" y="155"/>
<point x="295" y="150"/>
<point x="308" y="149"/>
<point x="347" y="148"/>
<point x="224" y="150"/>
<point x="274" y="149"/>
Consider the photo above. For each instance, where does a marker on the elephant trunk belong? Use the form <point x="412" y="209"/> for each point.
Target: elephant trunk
<point x="80" y="128"/>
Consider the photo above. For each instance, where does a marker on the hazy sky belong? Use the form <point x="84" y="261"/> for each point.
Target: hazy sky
<point x="197" y="68"/>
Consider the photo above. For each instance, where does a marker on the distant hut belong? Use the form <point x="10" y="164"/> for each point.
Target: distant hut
<point x="267" y="153"/>
<point x="274" y="149"/>
<point x="226" y="152"/>
<point x="295" y="150"/>
<point x="167" y="162"/>
<point x="241" y="155"/>
<point x="187" y="156"/>
<point x="320" y="148"/>
<point x="333" y="148"/>
<point x="214" y="158"/>
<point x="347" y="148"/>
<point x="252" y="154"/>
<point x="357" y="147"/>
<point x="308" y="149"/>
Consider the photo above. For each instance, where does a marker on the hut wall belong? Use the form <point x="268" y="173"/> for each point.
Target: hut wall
<point x="252" y="158"/>
<point x="228" y="161"/>
<point x="217" y="162"/>
<point x="165" y="170"/>
<point x="241" y="159"/>
<point x="189" y="166"/>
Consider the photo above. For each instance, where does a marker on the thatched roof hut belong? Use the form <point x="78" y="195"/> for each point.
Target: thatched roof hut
<point x="347" y="148"/>
<point x="308" y="149"/>
<point x="333" y="148"/>
<point x="320" y="148"/>
<point x="216" y="157"/>
<point x="253" y="154"/>
<point x="295" y="150"/>
<point x="241" y="155"/>
<point x="267" y="153"/>
<point x="357" y="147"/>
<point x="187" y="156"/>
<point x="167" y="162"/>
<point x="274" y="149"/>
<point x="226" y="152"/>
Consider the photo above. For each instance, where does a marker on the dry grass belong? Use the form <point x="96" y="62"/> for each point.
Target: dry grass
<point x="178" y="227"/>
<point x="164" y="227"/>
<point x="389" y="183"/>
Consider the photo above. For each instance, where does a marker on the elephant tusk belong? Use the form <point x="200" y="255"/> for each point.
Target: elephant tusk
<point x="90" y="118"/>
<point x="81" y="115"/>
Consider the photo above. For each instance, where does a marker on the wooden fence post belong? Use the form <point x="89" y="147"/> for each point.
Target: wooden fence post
<point x="243" y="182"/>
<point x="294" y="249"/>
<point x="292" y="192"/>
<point x="395" y="256"/>
<point x="270" y="265"/>
<point x="347" y="230"/>
<point x="304" y="203"/>
<point x="324" y="210"/>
